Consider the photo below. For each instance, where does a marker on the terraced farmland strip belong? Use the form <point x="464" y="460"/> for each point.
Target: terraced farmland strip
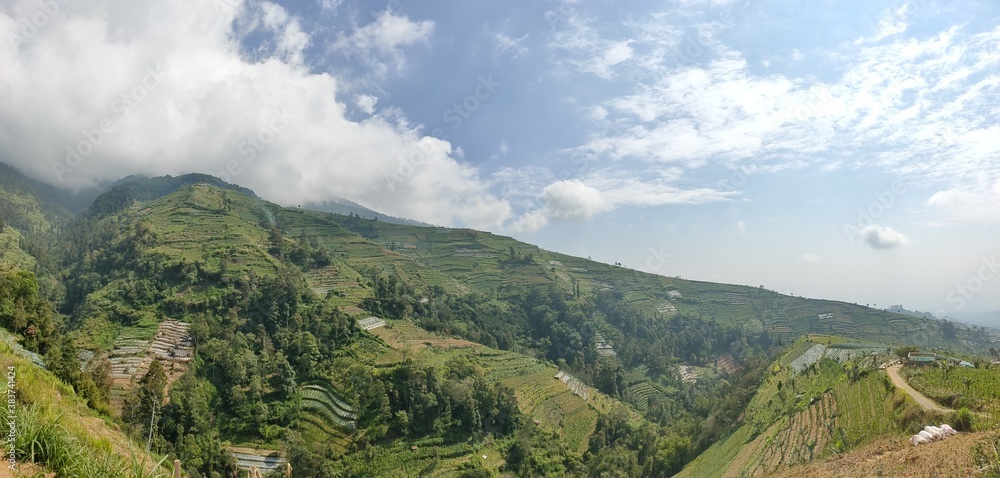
<point x="328" y="413"/>
<point x="331" y="395"/>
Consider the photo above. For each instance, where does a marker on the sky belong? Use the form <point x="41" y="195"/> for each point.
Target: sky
<point x="841" y="150"/>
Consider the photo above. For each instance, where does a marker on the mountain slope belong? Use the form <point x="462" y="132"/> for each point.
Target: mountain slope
<point x="230" y="266"/>
<point x="821" y="402"/>
<point x="486" y="261"/>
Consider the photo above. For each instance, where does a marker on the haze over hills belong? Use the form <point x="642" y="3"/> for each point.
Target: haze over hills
<point x="353" y="346"/>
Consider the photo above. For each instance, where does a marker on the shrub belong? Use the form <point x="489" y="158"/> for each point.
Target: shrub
<point x="964" y="420"/>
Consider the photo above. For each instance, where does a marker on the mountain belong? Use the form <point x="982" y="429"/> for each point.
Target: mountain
<point x="898" y="309"/>
<point x="252" y="333"/>
<point x="344" y="207"/>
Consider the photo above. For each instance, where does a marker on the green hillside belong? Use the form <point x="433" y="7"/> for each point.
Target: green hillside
<point x="354" y="347"/>
<point x="816" y="402"/>
<point x="271" y="296"/>
<point x="485" y="262"/>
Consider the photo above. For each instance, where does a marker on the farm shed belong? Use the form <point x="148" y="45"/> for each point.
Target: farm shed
<point x="920" y="358"/>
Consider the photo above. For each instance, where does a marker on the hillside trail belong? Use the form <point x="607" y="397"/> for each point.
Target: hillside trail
<point x="901" y="384"/>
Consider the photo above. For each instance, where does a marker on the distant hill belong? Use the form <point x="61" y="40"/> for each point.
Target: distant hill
<point x="345" y="207"/>
<point x="899" y="309"/>
<point x="485" y="261"/>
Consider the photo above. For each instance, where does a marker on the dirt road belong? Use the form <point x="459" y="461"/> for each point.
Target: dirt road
<point x="924" y="402"/>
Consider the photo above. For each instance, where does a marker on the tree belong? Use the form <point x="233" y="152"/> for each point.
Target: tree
<point x="283" y="380"/>
<point x="147" y="398"/>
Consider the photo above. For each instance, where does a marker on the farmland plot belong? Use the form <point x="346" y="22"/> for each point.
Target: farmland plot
<point x="808" y="358"/>
<point x="131" y="358"/>
<point x="264" y="460"/>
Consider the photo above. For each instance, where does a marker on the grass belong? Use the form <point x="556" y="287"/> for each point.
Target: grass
<point x="56" y="430"/>
<point x="956" y="387"/>
<point x="811" y="415"/>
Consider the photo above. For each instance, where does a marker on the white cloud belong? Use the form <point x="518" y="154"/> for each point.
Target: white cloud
<point x="381" y="43"/>
<point x="329" y="5"/>
<point x="572" y="199"/>
<point x="809" y="257"/>
<point x="267" y="123"/>
<point x="529" y="223"/>
<point x="501" y="151"/>
<point x="978" y="202"/>
<point x="582" y="47"/>
<point x="741" y="228"/>
<point x="918" y="108"/>
<point x="883" y="237"/>
<point x="599" y="192"/>
<point x="514" y="46"/>
<point x="892" y="22"/>
<point x="366" y="103"/>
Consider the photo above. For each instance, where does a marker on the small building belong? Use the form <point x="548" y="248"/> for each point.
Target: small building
<point x="963" y="363"/>
<point x="920" y="358"/>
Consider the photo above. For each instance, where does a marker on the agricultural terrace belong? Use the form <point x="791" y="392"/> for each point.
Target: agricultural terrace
<point x="559" y="406"/>
<point x="264" y="460"/>
<point x="429" y="456"/>
<point x="132" y="357"/>
<point x="352" y="252"/>
<point x="798" y="417"/>
<point x="202" y="223"/>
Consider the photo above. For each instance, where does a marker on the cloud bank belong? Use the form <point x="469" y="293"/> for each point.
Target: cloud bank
<point x="110" y="88"/>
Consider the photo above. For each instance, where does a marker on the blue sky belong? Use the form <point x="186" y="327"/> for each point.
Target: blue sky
<point x="845" y="150"/>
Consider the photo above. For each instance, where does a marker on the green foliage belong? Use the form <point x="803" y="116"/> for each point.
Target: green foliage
<point x="964" y="420"/>
<point x="956" y="387"/>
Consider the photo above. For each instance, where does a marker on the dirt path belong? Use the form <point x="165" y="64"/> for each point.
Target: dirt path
<point x="924" y="402"/>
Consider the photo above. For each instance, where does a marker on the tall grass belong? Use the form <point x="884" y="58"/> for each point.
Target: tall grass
<point x="43" y="439"/>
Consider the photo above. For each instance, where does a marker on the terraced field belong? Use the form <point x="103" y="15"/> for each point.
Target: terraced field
<point x="430" y="457"/>
<point x="804" y="437"/>
<point x="508" y="364"/>
<point x="131" y="358"/>
<point x="797" y="418"/>
<point x="809" y="357"/>
<point x="319" y="401"/>
<point x="542" y="397"/>
<point x="264" y="460"/>
<point x="202" y="223"/>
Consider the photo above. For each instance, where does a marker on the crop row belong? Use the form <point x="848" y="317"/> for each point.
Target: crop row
<point x="321" y="393"/>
